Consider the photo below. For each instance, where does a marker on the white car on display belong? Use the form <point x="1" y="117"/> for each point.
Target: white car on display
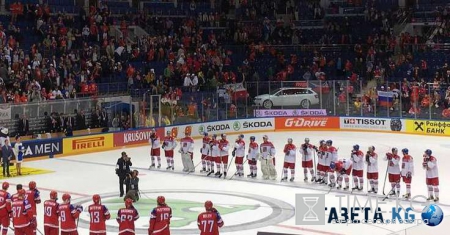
<point x="288" y="96"/>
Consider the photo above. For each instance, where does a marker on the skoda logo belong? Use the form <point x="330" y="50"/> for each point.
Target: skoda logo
<point x="236" y="125"/>
<point x="201" y="129"/>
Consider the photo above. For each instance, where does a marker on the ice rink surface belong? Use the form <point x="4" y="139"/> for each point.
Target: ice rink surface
<point x="247" y="205"/>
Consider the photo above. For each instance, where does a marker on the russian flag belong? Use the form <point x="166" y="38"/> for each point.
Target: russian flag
<point x="385" y="98"/>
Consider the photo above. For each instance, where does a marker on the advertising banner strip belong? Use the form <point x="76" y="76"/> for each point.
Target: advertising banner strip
<point x="427" y="127"/>
<point x="134" y="137"/>
<point x="45" y="147"/>
<point x="372" y="124"/>
<point x="301" y="123"/>
<point x="87" y="144"/>
<point x="289" y="112"/>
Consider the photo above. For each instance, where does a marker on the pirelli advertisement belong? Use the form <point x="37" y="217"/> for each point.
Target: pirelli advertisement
<point x="428" y="127"/>
<point x="88" y="144"/>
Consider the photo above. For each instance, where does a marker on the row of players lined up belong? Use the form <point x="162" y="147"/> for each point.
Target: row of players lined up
<point x="329" y="165"/>
<point x="20" y="208"/>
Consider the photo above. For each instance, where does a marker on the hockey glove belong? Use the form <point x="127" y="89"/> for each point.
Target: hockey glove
<point x="233" y="153"/>
<point x="79" y="208"/>
<point x="408" y="175"/>
<point x="343" y="172"/>
<point x="117" y="171"/>
<point x="33" y="224"/>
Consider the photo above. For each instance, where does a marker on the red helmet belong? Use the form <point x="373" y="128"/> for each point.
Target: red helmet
<point x="208" y="205"/>
<point x="32" y="185"/>
<point x="66" y="197"/>
<point x="5" y="185"/>
<point x="96" y="199"/>
<point x="161" y="200"/>
<point x="128" y="202"/>
<point x="53" y="195"/>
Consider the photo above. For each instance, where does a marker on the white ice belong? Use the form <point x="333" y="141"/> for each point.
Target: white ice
<point x="88" y="174"/>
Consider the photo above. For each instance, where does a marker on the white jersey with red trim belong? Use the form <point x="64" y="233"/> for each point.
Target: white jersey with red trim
<point x="169" y="143"/>
<point x="155" y="142"/>
<point x="372" y="164"/>
<point x="407" y="165"/>
<point x="224" y="147"/>
<point x="205" y="145"/>
<point x="358" y="160"/>
<point x="215" y="151"/>
<point x="307" y="151"/>
<point x="393" y="163"/>
<point x="432" y="168"/>
<point x="333" y="153"/>
<point x="290" y="152"/>
<point x="267" y="150"/>
<point x="239" y="145"/>
<point x="253" y="151"/>
<point x="187" y="145"/>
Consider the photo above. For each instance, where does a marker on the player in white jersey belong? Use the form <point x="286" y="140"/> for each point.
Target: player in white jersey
<point x="322" y="166"/>
<point x="186" y="150"/>
<point x="267" y="158"/>
<point x="357" y="158"/>
<point x="407" y="171"/>
<point x="343" y="168"/>
<point x="155" y="151"/>
<point x="372" y="169"/>
<point x="307" y="151"/>
<point x="224" y="147"/>
<point x="169" y="145"/>
<point x="238" y="153"/>
<point x="393" y="171"/>
<point x="215" y="153"/>
<point x="252" y="157"/>
<point x="205" y="152"/>
<point x="331" y="161"/>
<point x="290" y="152"/>
<point x="430" y="165"/>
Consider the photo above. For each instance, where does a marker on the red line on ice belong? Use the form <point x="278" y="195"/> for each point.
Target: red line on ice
<point x="307" y="229"/>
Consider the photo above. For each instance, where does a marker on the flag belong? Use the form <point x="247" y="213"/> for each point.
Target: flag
<point x="385" y="98"/>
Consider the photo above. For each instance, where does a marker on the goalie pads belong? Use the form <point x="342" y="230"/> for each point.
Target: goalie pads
<point x="265" y="168"/>
<point x="272" y="170"/>
<point x="188" y="165"/>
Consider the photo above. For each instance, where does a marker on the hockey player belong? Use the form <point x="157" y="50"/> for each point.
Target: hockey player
<point x="33" y="197"/>
<point x="68" y="215"/>
<point x="99" y="215"/>
<point x="343" y="168"/>
<point x="19" y="151"/>
<point x="372" y="169"/>
<point x="322" y="166"/>
<point x="357" y="158"/>
<point x="22" y="215"/>
<point x="186" y="150"/>
<point x="169" y="145"/>
<point x="51" y="222"/>
<point x="306" y="151"/>
<point x="155" y="151"/>
<point x="215" y="154"/>
<point x="407" y="171"/>
<point x="126" y="217"/>
<point x="5" y="207"/>
<point x="239" y="152"/>
<point x="205" y="151"/>
<point x="267" y="158"/>
<point x="289" y="160"/>
<point x="209" y="221"/>
<point x="394" y="171"/>
<point x="160" y="218"/>
<point x="252" y="157"/>
<point x="224" y="147"/>
<point x="331" y="161"/>
<point x="430" y="165"/>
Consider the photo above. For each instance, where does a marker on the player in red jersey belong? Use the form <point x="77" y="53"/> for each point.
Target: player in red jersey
<point x="209" y="221"/>
<point x="126" y="217"/>
<point x="33" y="197"/>
<point x="68" y="215"/>
<point x="15" y="196"/>
<point x="160" y="218"/>
<point x="99" y="215"/>
<point x="22" y="215"/>
<point x="5" y="207"/>
<point x="51" y="222"/>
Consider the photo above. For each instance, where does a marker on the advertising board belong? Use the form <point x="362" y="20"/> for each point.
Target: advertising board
<point x="289" y="112"/>
<point x="376" y="124"/>
<point x="427" y="127"/>
<point x="299" y="123"/>
<point x="45" y="147"/>
<point x="87" y="144"/>
<point x="133" y="137"/>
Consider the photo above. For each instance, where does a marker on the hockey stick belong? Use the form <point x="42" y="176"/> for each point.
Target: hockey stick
<point x="385" y="177"/>
<point x="229" y="165"/>
<point x="189" y="172"/>
<point x="41" y="232"/>
<point x="236" y="171"/>
<point x="392" y="190"/>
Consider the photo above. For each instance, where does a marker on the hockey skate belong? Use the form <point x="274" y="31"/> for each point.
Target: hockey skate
<point x="292" y="179"/>
<point x="210" y="173"/>
<point x="339" y="187"/>
<point x="151" y="166"/>
<point x="173" y="168"/>
<point x="313" y="179"/>
<point x="284" y="178"/>
<point x="305" y="179"/>
<point x="250" y="175"/>
<point x="254" y="176"/>
<point x="332" y="185"/>
<point x="430" y="198"/>
<point x="355" y="188"/>
<point x="237" y="174"/>
<point x="346" y="187"/>
<point x="407" y="196"/>
<point x="203" y="170"/>
<point x="224" y="175"/>
<point x="168" y="168"/>
<point x="436" y="199"/>
<point x="392" y="193"/>
<point x="217" y="173"/>
<point x="159" y="166"/>
<point x="360" y="188"/>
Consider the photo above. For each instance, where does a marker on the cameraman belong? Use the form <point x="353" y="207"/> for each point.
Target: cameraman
<point x="122" y="170"/>
<point x="132" y="182"/>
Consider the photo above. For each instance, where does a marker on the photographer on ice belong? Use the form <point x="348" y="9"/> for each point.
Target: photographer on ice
<point x="132" y="183"/>
<point x="122" y="170"/>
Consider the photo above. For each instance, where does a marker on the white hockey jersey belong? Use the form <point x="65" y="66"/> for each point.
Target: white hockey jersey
<point x="393" y="164"/>
<point x="358" y="160"/>
<point x="333" y="153"/>
<point x="215" y="151"/>
<point x="267" y="150"/>
<point x="407" y="165"/>
<point x="432" y="168"/>
<point x="239" y="145"/>
<point x="155" y="142"/>
<point x="372" y="164"/>
<point x="206" y="147"/>
<point x="169" y="143"/>
<point x="224" y="147"/>
<point x="323" y="157"/>
<point x="307" y="151"/>
<point x="187" y="145"/>
<point x="253" y="151"/>
<point x="290" y="152"/>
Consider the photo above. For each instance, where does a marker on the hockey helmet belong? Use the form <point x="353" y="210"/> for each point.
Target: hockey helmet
<point x="306" y="140"/>
<point x="252" y="138"/>
<point x="241" y="136"/>
<point x="214" y="136"/>
<point x="329" y="142"/>
<point x="205" y="133"/>
<point x="428" y="152"/>
<point x="394" y="150"/>
<point x="356" y="147"/>
<point x="208" y="205"/>
<point x="96" y="199"/>
<point x="161" y="200"/>
<point x="66" y="197"/>
<point x="405" y="151"/>
<point x="371" y="148"/>
<point x="265" y="137"/>
<point x="321" y="142"/>
<point x="5" y="185"/>
<point x="290" y="140"/>
<point x="53" y="195"/>
<point x="32" y="185"/>
<point x="332" y="165"/>
<point x="128" y="202"/>
<point x="223" y="135"/>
